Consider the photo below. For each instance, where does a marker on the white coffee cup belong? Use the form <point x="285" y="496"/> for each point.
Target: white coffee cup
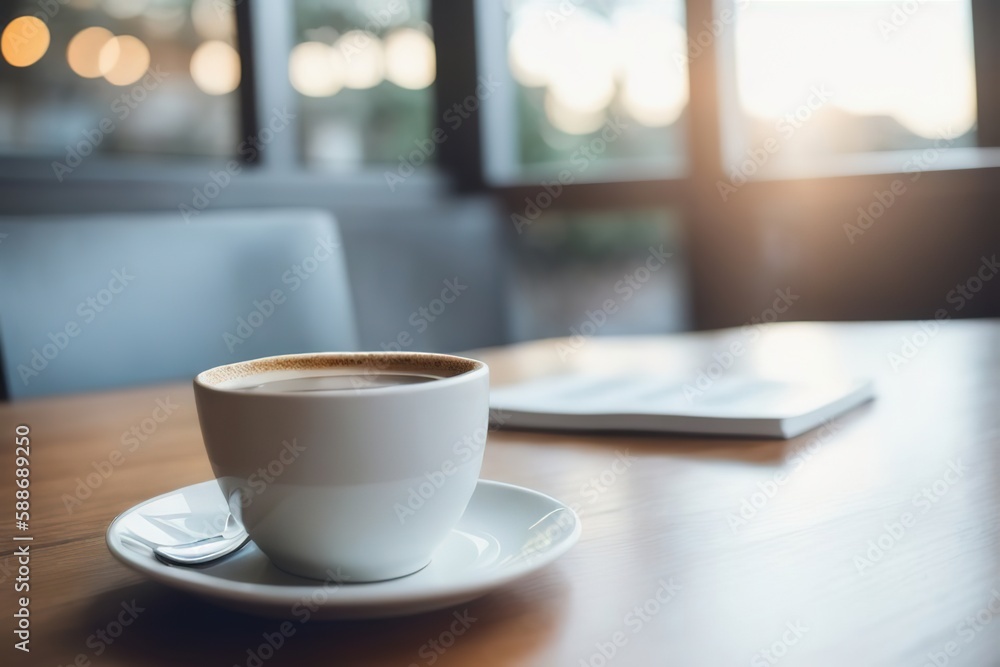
<point x="359" y="482"/>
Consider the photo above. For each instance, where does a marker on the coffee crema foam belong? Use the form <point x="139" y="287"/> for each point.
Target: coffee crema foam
<point x="331" y="381"/>
<point x="369" y="369"/>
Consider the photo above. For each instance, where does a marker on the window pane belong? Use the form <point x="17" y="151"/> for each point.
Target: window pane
<point x="85" y="77"/>
<point x="363" y="71"/>
<point x="602" y="82"/>
<point x="821" y="77"/>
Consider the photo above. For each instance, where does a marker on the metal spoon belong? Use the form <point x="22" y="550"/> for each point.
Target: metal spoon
<point x="200" y="551"/>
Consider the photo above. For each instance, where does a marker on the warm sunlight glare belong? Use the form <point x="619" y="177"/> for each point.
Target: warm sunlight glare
<point x="916" y="67"/>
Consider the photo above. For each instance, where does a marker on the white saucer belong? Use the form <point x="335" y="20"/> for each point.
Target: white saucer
<point x="506" y="532"/>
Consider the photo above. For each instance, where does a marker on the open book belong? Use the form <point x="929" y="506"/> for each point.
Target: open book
<point x="737" y="405"/>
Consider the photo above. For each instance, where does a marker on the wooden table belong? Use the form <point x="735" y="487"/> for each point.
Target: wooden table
<point x="873" y="541"/>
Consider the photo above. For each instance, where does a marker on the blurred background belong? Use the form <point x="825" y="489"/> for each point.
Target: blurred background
<point x="844" y="152"/>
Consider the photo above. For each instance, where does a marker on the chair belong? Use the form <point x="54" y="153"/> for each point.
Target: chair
<point x="95" y="302"/>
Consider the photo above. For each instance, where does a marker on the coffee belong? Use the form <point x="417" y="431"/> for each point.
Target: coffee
<point x="332" y="382"/>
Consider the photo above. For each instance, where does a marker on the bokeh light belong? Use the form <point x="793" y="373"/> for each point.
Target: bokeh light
<point x="24" y="41"/>
<point x="581" y="74"/>
<point x="316" y="69"/>
<point x="570" y="120"/>
<point x="654" y="87"/>
<point x="530" y="49"/>
<point x="123" y="60"/>
<point x="410" y="60"/>
<point x="84" y="51"/>
<point x="586" y="61"/>
<point x="365" y="60"/>
<point x="215" y="68"/>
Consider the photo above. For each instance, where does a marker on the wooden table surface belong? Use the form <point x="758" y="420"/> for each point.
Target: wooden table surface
<point x="873" y="541"/>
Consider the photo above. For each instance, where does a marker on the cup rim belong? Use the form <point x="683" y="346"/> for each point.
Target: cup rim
<point x="463" y="368"/>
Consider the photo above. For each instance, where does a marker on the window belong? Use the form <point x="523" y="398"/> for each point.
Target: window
<point x="818" y="78"/>
<point x="624" y="102"/>
<point x="364" y="73"/>
<point x="116" y="76"/>
<point x="772" y="90"/>
<point x="599" y="88"/>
